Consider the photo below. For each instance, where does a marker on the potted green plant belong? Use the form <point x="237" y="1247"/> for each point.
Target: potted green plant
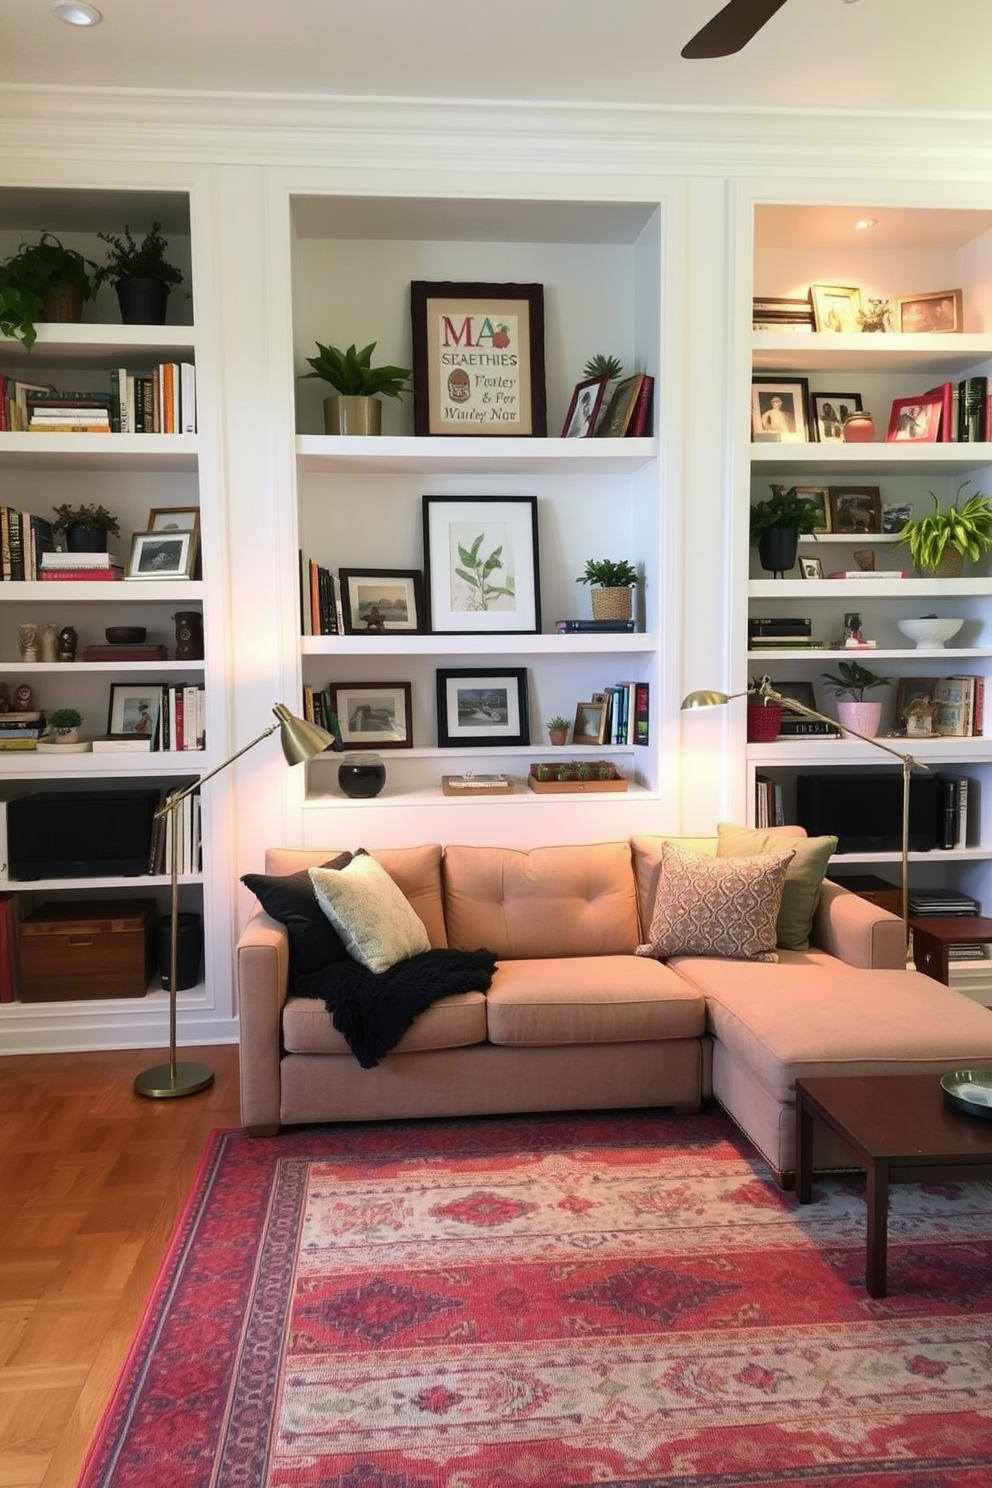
<point x="940" y="542"/>
<point x="140" y="274"/>
<point x="358" y="386"/>
<point x="776" y="524"/>
<point x="849" y="685"/>
<point x="86" y="528"/>
<point x="613" y="591"/>
<point x="557" y="728"/>
<point x="43" y="281"/>
<point x="63" y="725"/>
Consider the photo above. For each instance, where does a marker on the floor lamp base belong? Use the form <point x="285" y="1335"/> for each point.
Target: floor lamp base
<point x="158" y="1083"/>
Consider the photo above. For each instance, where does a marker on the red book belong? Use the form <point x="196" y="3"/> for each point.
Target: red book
<point x="945" y="392"/>
<point x="641" y="713"/>
<point x="978" y="707"/>
<point x="70" y="575"/>
<point x="640" y="418"/>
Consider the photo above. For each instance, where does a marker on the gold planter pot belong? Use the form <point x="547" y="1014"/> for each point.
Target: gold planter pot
<point x="352" y="415"/>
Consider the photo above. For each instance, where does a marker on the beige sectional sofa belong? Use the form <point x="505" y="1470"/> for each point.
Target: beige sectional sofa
<point x="574" y="1019"/>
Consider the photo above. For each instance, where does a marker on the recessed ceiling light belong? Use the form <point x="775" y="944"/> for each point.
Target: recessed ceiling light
<point x="76" y="13"/>
<point x="864" y="223"/>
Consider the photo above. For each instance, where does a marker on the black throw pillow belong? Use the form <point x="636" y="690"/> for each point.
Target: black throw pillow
<point x="290" y="899"/>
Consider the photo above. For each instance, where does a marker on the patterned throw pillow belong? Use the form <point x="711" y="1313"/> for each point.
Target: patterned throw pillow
<point x="707" y="906"/>
<point x="803" y="879"/>
<point x="376" y="922"/>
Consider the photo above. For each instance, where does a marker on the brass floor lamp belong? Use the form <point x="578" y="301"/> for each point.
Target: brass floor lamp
<point x="767" y="693"/>
<point x="300" y="741"/>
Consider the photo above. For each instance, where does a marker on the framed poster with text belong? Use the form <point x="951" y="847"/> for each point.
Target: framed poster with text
<point x="478" y="359"/>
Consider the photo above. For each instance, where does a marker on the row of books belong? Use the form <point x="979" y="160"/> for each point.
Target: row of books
<point x="317" y="708"/>
<point x="320" y="600"/>
<point x="956" y="799"/>
<point x="21" y="731"/>
<point x="185" y="825"/>
<point x="769" y="803"/>
<point x="24" y="541"/>
<point x="958" y="706"/>
<point x="160" y="401"/>
<point x="627" y="713"/>
<point x="965" y="410"/>
<point x="954" y="794"/>
<point x="173" y="716"/>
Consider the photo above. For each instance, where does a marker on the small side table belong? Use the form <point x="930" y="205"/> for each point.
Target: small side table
<point x="933" y="937"/>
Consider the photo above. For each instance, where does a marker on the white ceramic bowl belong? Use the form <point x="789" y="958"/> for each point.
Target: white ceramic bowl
<point x="930" y="633"/>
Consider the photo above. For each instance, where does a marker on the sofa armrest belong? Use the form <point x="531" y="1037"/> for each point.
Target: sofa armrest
<point x="261" y="962"/>
<point x="857" y="931"/>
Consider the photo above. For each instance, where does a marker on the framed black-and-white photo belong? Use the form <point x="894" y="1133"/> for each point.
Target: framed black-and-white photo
<point x="135" y="708"/>
<point x="377" y="600"/>
<point x="160" y="555"/>
<point x="829" y="412"/>
<point x="482" y="706"/>
<point x="179" y="519"/>
<point x="780" y="409"/>
<point x="580" y="420"/>
<point x="373" y="715"/>
<point x="481" y="565"/>
<point x="811" y="568"/>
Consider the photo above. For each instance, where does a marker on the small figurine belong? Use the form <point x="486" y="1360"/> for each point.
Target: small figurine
<point x="67" y="641"/>
<point x="23" y="700"/>
<point x="375" y="620"/>
<point x="27" y="641"/>
<point x="46" y="643"/>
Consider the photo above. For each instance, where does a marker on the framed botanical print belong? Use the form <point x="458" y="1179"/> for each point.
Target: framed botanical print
<point x="482" y="706"/>
<point x="478" y="359"/>
<point x="481" y="565"/>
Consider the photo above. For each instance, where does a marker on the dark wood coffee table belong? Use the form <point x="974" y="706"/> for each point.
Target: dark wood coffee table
<point x="900" y="1129"/>
<point x="933" y="938"/>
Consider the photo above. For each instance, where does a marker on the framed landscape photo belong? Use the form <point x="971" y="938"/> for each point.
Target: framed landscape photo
<point x="379" y="600"/>
<point x="937" y="310"/>
<point x="373" y="715"/>
<point x="780" y="409"/>
<point x="811" y="568"/>
<point x="829" y="412"/>
<point x="478" y="359"/>
<point x="587" y="399"/>
<point x="916" y="419"/>
<point x="590" y="723"/>
<point x="179" y="519"/>
<point x="160" y="555"/>
<point x="836" y="307"/>
<point x="855" y="509"/>
<point x="135" y="708"/>
<point x="482" y="706"/>
<point x="481" y="565"/>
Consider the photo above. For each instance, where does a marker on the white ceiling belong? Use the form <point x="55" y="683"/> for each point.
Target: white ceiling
<point x="917" y="55"/>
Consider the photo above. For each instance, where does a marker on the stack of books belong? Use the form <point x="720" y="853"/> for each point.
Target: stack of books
<point x="591" y="627"/>
<point x="20" y="731"/>
<point x="23" y="540"/>
<point x="953" y="799"/>
<point x="53" y="412"/>
<point x="781" y="633"/>
<point x="80" y="566"/>
<point x="965" y="410"/>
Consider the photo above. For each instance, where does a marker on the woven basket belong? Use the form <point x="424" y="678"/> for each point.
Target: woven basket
<point x="763" y="722"/>
<point x="612" y="604"/>
<point x="950" y="566"/>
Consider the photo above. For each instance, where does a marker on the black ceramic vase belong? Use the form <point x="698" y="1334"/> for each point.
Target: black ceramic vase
<point x="361" y="776"/>
<point x="777" y="550"/>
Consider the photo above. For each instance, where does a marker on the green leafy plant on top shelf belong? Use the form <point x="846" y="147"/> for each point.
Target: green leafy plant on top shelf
<point x="603" y="366"/>
<point x="31" y="276"/>
<point x="784" y="508"/>
<point x="85" y="516"/>
<point x="352" y="374"/>
<point x="609" y="573"/>
<point x="853" y="681"/>
<point x="129" y="259"/>
<point x="965" y="528"/>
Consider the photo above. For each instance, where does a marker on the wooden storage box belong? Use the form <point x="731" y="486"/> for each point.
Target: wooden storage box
<point x="71" y="951"/>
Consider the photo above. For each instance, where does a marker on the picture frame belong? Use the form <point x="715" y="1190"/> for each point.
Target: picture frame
<point x="810" y="568"/>
<point x="800" y="692"/>
<point x="915" y="419"/>
<point x="836" y="307"/>
<point x="613" y="424"/>
<point x="373" y="715"/>
<point x="829" y="411"/>
<point x="135" y="708"/>
<point x="895" y="515"/>
<point x="179" y="519"/>
<point x="481" y="565"/>
<point x="938" y="310"/>
<point x="583" y="411"/>
<point x="820" y="495"/>
<point x="855" y="509"/>
<point x="380" y="601"/>
<point x="590" y="723"/>
<point x="482" y="706"/>
<point x="908" y="691"/>
<point x="160" y="555"/>
<point x="478" y="359"/>
<point x="780" y="409"/>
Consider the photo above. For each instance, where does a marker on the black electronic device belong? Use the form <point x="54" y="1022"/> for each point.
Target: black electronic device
<point x="863" y="810"/>
<point x="80" y="834"/>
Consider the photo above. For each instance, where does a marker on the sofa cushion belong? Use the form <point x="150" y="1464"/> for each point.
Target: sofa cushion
<point x="290" y="899"/>
<point x="591" y="1000"/>
<point x="415" y="870"/>
<point x="706" y="906"/>
<point x="452" y="1023"/>
<point x="551" y="901"/>
<point x="377" y="924"/>
<point x="803" y="878"/>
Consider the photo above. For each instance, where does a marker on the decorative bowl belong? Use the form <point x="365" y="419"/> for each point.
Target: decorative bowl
<point x="125" y="635"/>
<point x="929" y="632"/>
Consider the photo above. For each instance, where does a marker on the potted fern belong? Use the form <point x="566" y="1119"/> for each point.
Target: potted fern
<point x="43" y="281"/>
<point x="776" y="524"/>
<point x="358" y="386"/>
<point x="613" y="592"/>
<point x="849" y="685"/>
<point x="940" y="542"/>
<point x="141" y="275"/>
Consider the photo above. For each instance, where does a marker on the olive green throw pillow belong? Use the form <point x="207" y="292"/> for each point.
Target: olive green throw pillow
<point x="803" y="878"/>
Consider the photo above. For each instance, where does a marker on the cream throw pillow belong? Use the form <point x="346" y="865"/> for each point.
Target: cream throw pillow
<point x="377" y="924"/>
<point x="803" y="879"/>
<point x="706" y="906"/>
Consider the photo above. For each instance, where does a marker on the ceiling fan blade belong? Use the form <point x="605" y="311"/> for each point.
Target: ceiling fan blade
<point x="731" y="28"/>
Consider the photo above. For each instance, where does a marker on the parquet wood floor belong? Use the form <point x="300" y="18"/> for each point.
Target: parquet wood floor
<point x="92" y="1181"/>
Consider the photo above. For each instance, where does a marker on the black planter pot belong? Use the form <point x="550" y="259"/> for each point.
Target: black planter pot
<point x="361" y="776"/>
<point x="142" y="301"/>
<point x="86" y="539"/>
<point x="777" y="550"/>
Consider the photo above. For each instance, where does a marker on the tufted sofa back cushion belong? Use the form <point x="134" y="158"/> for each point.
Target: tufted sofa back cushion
<point x="416" y="871"/>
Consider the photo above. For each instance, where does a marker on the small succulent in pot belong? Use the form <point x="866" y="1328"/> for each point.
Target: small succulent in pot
<point x="557" y="728"/>
<point x="603" y="366"/>
<point x="63" y="723"/>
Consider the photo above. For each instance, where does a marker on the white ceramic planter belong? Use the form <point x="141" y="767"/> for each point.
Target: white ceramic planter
<point x="863" y="718"/>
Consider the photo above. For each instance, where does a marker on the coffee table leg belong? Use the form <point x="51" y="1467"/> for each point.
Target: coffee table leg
<point x="878" y="1227"/>
<point x="804" y="1151"/>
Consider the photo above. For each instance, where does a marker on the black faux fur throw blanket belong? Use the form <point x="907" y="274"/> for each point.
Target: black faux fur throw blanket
<point x="373" y="1010"/>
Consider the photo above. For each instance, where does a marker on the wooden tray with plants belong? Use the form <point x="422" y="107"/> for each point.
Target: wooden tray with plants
<point x="575" y="775"/>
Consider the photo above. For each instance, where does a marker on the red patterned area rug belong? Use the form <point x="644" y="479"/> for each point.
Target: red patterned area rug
<point x="548" y="1302"/>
